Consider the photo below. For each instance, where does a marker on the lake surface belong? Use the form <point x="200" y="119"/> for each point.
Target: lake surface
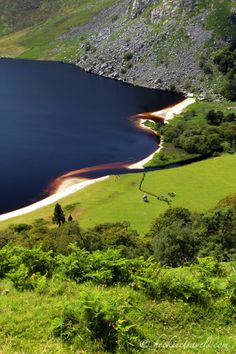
<point x="55" y="118"/>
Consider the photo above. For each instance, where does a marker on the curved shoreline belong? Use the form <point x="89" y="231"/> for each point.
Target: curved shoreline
<point x="166" y="114"/>
<point x="72" y="185"/>
<point x="51" y="199"/>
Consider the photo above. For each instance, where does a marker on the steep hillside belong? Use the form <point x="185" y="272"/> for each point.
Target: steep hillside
<point x="16" y="15"/>
<point x="156" y="43"/>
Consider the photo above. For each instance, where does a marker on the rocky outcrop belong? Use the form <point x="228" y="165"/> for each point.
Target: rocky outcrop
<point x="167" y="58"/>
<point x="137" y="7"/>
<point x="164" y="8"/>
<point x="172" y="8"/>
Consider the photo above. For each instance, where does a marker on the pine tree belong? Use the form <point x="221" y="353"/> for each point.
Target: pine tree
<point x="58" y="216"/>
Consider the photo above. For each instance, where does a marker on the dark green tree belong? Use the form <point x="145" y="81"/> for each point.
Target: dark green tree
<point x="174" y="245"/>
<point x="58" y="215"/>
<point x="70" y="218"/>
<point x="173" y="238"/>
<point x="215" y="118"/>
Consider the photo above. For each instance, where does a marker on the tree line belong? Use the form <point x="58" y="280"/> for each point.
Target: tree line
<point x="216" y="135"/>
<point x="175" y="238"/>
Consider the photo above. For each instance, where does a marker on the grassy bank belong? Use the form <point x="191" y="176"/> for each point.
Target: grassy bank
<point x="197" y="186"/>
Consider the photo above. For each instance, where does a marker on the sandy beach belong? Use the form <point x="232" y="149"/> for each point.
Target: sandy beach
<point x="72" y="185"/>
<point x="63" y="191"/>
<point x="166" y="114"/>
<point x="169" y="112"/>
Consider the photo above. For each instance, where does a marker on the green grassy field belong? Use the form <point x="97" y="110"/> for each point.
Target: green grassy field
<point x="198" y="186"/>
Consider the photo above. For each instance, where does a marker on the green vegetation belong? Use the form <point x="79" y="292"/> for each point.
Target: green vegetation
<point x="205" y="128"/>
<point x="58" y="215"/>
<point x="198" y="186"/>
<point x="44" y="39"/>
<point x="62" y="316"/>
<point x="221" y="18"/>
<point x="128" y="56"/>
<point x="226" y="61"/>
<point x="100" y="286"/>
<point x="108" y="290"/>
<point x="222" y="21"/>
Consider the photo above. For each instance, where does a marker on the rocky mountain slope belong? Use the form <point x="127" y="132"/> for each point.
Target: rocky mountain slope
<point x="155" y="43"/>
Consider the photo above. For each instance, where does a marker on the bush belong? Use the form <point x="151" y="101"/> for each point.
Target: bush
<point x="101" y="319"/>
<point x="128" y="56"/>
<point x="129" y="65"/>
<point x="215" y="118"/>
<point x="229" y="89"/>
<point x="21" y="265"/>
<point x="174" y="245"/>
<point x="182" y="286"/>
<point x="67" y="326"/>
<point x="226" y="61"/>
<point x="20" y="228"/>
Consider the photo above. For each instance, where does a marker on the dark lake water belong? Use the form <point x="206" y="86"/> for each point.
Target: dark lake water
<point x="55" y="118"/>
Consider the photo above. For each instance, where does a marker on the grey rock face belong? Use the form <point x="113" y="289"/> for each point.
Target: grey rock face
<point x="132" y="50"/>
<point x="172" y="8"/>
<point x="137" y="6"/>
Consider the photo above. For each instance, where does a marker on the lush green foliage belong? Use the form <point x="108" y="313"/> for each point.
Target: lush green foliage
<point x="107" y="289"/>
<point x="216" y="134"/>
<point x="180" y="237"/>
<point x="208" y="129"/>
<point x="226" y="61"/>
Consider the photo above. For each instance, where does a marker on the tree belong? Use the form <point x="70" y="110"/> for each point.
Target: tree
<point x="58" y="216"/>
<point x="70" y="218"/>
<point x="217" y="232"/>
<point x="229" y="90"/>
<point x="215" y="118"/>
<point x="231" y="117"/>
<point x="173" y="237"/>
<point x="174" y="245"/>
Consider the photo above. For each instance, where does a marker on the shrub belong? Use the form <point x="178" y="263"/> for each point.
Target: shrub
<point x="129" y="65"/>
<point x="20" y="228"/>
<point x="182" y="286"/>
<point x="128" y="56"/>
<point x="114" y="18"/>
<point x="174" y="245"/>
<point x="67" y="326"/>
<point x="229" y="89"/>
<point x="107" y="322"/>
<point x="101" y="319"/>
<point x="19" y="277"/>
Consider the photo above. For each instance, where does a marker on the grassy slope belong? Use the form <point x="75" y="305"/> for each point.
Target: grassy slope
<point x="198" y="186"/>
<point x="43" y="40"/>
<point x="27" y="317"/>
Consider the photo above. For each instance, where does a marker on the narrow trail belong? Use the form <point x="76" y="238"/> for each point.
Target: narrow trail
<point x="143" y="190"/>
